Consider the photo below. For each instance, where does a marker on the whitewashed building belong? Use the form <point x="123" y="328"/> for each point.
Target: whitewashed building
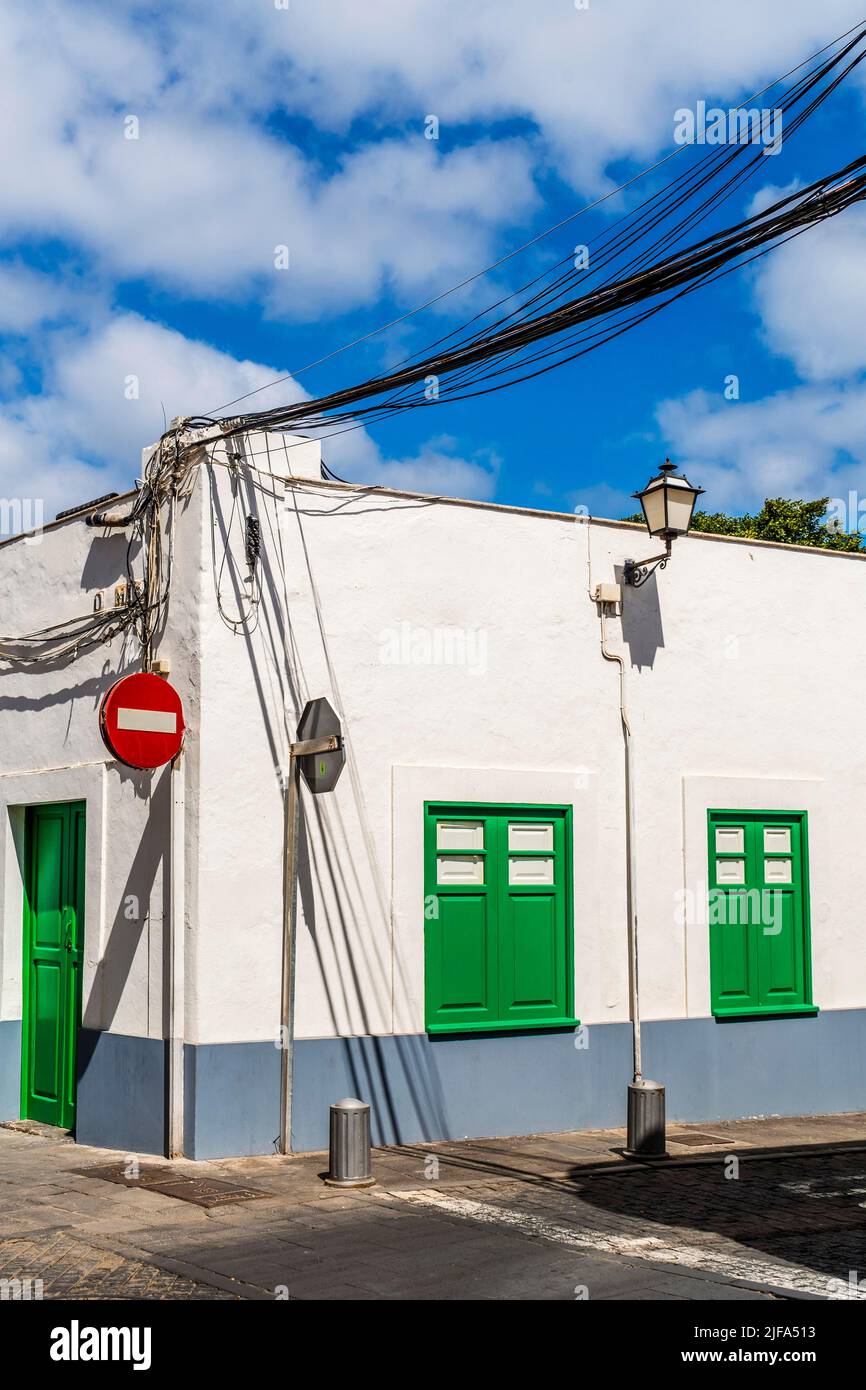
<point x="462" y="956"/>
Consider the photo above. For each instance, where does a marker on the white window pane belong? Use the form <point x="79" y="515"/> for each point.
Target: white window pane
<point x="464" y="868"/>
<point x="538" y="836"/>
<point x="459" y="834"/>
<point x="777" y="839"/>
<point x="730" y="871"/>
<point x="730" y="839"/>
<point x="530" y="871"/>
<point x="777" y="871"/>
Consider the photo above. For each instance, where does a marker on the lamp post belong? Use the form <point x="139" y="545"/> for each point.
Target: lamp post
<point x="668" y="504"/>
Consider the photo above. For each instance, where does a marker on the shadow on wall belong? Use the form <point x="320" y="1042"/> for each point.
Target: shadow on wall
<point x="133" y="911"/>
<point x="401" y="1081"/>
<point x="107" y="560"/>
<point x="641" y="621"/>
<point x="273" y="649"/>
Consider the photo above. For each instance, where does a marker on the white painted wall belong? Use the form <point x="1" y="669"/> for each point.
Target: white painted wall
<point x="744" y="662"/>
<point x="51" y="750"/>
<point x="745" y="672"/>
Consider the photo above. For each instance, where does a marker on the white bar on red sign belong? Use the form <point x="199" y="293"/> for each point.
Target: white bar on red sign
<point x="147" y="721"/>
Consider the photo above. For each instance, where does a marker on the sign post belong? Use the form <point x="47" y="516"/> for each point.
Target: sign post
<point x="319" y="755"/>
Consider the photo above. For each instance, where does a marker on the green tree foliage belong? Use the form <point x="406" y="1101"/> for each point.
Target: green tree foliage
<point x="779" y="519"/>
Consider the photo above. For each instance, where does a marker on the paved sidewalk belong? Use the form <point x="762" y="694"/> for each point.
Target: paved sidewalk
<point x="754" y="1209"/>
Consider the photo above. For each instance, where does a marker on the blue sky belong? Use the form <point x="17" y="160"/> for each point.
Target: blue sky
<point x="137" y="274"/>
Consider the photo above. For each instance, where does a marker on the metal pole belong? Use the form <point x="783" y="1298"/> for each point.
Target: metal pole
<point x="632" y="899"/>
<point x="176" y="959"/>
<point x="631" y="851"/>
<point x="287" y="997"/>
<point x="645" y="1128"/>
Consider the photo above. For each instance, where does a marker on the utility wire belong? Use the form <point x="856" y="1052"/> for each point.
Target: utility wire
<point x="533" y="241"/>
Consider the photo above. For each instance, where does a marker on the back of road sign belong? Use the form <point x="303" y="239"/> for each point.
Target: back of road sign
<point x="320" y="770"/>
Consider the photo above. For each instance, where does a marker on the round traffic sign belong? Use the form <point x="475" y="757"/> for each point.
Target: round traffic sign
<point x="141" y="720"/>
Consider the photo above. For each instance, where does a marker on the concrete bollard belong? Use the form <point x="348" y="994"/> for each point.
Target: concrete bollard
<point x="350" y="1164"/>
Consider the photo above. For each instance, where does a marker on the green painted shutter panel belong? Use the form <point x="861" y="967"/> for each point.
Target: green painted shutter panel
<point x="734" y="963"/>
<point x="53" y="941"/>
<point x="532" y="977"/>
<point x="758" y="912"/>
<point x="497" y="928"/>
<point x="460" y="938"/>
<point x="782" y="943"/>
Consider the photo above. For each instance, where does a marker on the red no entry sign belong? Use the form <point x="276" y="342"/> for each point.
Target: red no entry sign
<point x="141" y="720"/>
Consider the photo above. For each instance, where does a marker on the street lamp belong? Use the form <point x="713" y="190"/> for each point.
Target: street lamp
<point x="668" y="503"/>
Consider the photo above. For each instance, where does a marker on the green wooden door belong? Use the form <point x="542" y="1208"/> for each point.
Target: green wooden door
<point x="759" y="912"/>
<point x="53" y="952"/>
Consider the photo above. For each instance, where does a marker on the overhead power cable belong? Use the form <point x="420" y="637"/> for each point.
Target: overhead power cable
<point x="699" y="263"/>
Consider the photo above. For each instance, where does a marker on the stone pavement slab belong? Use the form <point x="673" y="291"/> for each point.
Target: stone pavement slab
<point x="750" y="1210"/>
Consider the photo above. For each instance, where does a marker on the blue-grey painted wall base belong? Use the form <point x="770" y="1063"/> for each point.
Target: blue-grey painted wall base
<point x="231" y="1099"/>
<point x="10" y="1068"/>
<point x="423" y="1088"/>
<point x="121" y="1092"/>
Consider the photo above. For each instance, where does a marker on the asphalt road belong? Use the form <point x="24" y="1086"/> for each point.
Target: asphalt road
<point x="789" y="1227"/>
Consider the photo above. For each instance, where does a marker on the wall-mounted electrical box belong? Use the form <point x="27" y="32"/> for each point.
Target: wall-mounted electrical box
<point x="608" y="593"/>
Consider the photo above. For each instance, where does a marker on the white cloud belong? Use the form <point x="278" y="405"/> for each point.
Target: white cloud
<point x="811" y="294"/>
<point x="437" y="468"/>
<point x="809" y="441"/>
<point x="203" y="196"/>
<point x="83" y="435"/>
<point x="210" y="187"/>
<point x="39" y="477"/>
<point x="28" y="298"/>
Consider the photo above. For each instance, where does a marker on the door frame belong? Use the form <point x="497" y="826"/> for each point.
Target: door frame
<point x="85" y="782"/>
<point x="768" y="793"/>
<point x="758" y="817"/>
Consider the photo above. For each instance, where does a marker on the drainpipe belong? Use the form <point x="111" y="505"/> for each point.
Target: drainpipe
<point x="631" y="853"/>
<point x="176" y="960"/>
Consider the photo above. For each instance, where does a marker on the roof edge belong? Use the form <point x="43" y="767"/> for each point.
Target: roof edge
<point x="299" y="484"/>
<point x="325" y="485"/>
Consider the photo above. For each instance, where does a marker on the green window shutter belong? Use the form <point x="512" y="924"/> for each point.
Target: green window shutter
<point x="759" y="912"/>
<point x="498" y="943"/>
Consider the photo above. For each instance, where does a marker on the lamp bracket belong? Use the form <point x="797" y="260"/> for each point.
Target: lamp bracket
<point x="637" y="572"/>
